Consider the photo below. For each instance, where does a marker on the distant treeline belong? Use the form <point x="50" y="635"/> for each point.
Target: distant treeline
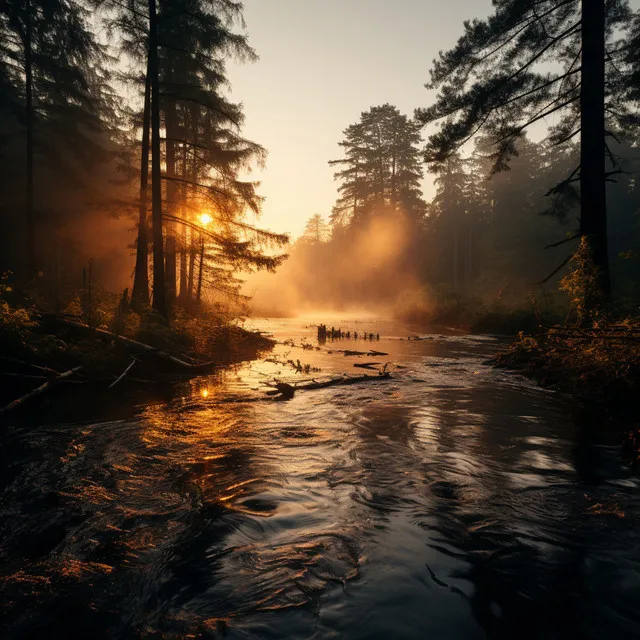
<point x="510" y="215"/>
<point x="500" y="236"/>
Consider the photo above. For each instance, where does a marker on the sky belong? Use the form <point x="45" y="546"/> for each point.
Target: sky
<point x="322" y="63"/>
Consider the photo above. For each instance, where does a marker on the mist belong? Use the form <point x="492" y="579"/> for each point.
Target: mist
<point x="365" y="269"/>
<point x="486" y="240"/>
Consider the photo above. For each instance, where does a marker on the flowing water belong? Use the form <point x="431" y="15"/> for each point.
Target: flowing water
<point x="453" y="500"/>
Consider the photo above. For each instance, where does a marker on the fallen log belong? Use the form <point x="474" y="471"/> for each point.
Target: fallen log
<point x="38" y="391"/>
<point x="367" y="365"/>
<point x="30" y="365"/>
<point x="286" y="391"/>
<point x="123" y="374"/>
<point x="375" y="354"/>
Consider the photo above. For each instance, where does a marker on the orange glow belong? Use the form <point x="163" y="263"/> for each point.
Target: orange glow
<point x="204" y="393"/>
<point x="205" y="219"/>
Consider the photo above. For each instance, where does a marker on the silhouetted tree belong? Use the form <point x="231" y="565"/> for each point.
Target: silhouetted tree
<point x="316" y="229"/>
<point x="451" y="215"/>
<point x="500" y="76"/>
<point x="51" y="59"/>
<point x="382" y="167"/>
<point x="204" y="150"/>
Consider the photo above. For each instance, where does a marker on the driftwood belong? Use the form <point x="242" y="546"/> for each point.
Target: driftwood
<point x="123" y="374"/>
<point x="135" y="345"/>
<point x="348" y="352"/>
<point x="38" y="391"/>
<point x="367" y="365"/>
<point x="285" y="391"/>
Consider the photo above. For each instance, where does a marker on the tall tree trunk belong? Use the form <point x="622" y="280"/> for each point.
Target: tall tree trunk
<point x="183" y="232"/>
<point x="469" y="253"/>
<point x="140" y="293"/>
<point x="159" y="285"/>
<point x="456" y="259"/>
<point x="171" y="125"/>
<point x="200" y="273"/>
<point x="28" y="68"/>
<point x="192" y="172"/>
<point x="593" y="206"/>
<point x="192" y="267"/>
<point x="170" y="265"/>
<point x="355" y="194"/>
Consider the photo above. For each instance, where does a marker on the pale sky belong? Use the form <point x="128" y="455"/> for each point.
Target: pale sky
<point x="323" y="62"/>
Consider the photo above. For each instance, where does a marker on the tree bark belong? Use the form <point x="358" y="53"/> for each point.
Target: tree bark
<point x="200" y="273"/>
<point x="140" y="293"/>
<point x="28" y="71"/>
<point x="170" y="267"/>
<point x="170" y="122"/>
<point x="593" y="207"/>
<point x="159" y="284"/>
<point x="183" y="295"/>
<point x="192" y="267"/>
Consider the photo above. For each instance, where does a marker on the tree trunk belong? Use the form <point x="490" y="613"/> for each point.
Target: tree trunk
<point x="183" y="232"/>
<point x="28" y="71"/>
<point x="192" y="267"/>
<point x="200" y="273"/>
<point x="170" y="123"/>
<point x="469" y="254"/>
<point x="593" y="218"/>
<point x="170" y="268"/>
<point x="140" y="293"/>
<point x="193" y="175"/>
<point x="456" y="259"/>
<point x="159" y="285"/>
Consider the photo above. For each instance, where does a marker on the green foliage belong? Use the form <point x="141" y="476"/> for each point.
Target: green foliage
<point x="207" y="334"/>
<point x="516" y="68"/>
<point x="16" y="320"/>
<point x="582" y="286"/>
<point x="596" y="363"/>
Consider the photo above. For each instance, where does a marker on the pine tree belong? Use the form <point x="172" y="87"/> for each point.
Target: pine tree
<point x="501" y="77"/>
<point x="316" y="230"/>
<point x="451" y="215"/>
<point x="203" y="199"/>
<point x="382" y="167"/>
<point x="51" y="57"/>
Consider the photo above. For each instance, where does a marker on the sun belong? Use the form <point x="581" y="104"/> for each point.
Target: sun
<point x="205" y="219"/>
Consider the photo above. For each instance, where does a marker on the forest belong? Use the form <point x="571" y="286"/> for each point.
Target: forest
<point x="416" y="417"/>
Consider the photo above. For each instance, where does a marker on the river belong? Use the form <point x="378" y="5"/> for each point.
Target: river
<point x="453" y="500"/>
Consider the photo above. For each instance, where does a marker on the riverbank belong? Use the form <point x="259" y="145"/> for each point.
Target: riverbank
<point x="41" y="351"/>
<point x="599" y="366"/>
<point x="475" y="315"/>
<point x="597" y="363"/>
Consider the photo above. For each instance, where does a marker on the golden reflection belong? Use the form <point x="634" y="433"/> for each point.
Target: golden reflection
<point x="204" y="393"/>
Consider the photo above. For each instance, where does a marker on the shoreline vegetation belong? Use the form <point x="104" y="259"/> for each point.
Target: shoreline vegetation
<point x="590" y="354"/>
<point x="103" y="344"/>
